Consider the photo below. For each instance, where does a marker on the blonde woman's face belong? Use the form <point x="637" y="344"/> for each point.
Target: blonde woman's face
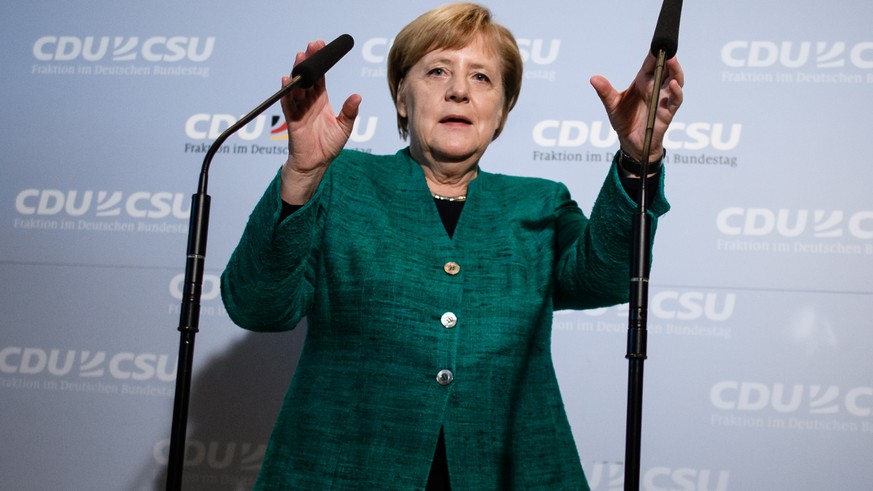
<point x="453" y="100"/>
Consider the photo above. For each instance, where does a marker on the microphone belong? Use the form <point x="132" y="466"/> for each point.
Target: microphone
<point x="314" y="67"/>
<point x="666" y="35"/>
<point x="305" y="74"/>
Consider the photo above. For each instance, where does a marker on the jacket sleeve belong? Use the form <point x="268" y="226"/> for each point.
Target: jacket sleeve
<point x="268" y="282"/>
<point x="593" y="254"/>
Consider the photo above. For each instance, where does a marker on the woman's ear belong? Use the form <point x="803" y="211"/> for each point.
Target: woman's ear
<point x="400" y="103"/>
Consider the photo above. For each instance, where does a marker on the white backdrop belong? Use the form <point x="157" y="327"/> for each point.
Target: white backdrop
<point x="759" y="369"/>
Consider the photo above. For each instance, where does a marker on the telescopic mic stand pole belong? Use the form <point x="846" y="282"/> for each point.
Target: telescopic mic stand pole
<point x="637" y="316"/>
<point x="664" y="46"/>
<point x="304" y="74"/>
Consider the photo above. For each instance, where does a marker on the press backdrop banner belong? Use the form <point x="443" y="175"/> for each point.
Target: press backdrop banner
<point x="759" y="368"/>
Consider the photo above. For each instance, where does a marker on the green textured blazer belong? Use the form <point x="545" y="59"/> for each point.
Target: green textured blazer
<point x="410" y="331"/>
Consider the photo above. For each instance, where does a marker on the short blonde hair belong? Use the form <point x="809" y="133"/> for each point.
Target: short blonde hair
<point x="454" y="26"/>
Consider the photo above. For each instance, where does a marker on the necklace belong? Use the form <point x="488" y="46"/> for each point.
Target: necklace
<point x="462" y="197"/>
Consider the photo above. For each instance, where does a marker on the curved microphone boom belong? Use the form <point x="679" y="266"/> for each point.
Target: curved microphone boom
<point x="305" y="74"/>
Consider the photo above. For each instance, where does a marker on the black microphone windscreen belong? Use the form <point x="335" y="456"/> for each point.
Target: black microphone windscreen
<point x="314" y="67"/>
<point x="667" y="30"/>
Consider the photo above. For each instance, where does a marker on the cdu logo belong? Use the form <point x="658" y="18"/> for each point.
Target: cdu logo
<point x="363" y="130"/>
<point x="793" y="54"/>
<point x="760" y="222"/>
<point x="120" y="48"/>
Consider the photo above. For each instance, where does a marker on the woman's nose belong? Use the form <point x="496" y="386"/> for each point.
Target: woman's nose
<point x="457" y="91"/>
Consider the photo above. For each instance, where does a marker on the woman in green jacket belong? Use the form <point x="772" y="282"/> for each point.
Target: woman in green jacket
<point x="428" y="283"/>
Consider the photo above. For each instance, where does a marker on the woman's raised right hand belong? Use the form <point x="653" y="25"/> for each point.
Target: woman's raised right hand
<point x="315" y="135"/>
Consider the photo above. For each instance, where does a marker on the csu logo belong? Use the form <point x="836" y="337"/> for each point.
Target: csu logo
<point x="732" y="395"/>
<point x="375" y="50"/>
<point x="794" y="223"/>
<point x="120" y="48"/>
<point x="791" y="54"/>
<point x="682" y="306"/>
<point x="142" y="204"/>
<point x="205" y="126"/>
<point x="610" y="475"/>
<point x="599" y="134"/>
<point x="668" y="305"/>
<point x="534" y="50"/>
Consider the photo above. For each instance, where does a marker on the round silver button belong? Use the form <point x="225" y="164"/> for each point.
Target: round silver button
<point x="449" y="320"/>
<point x="452" y="268"/>
<point x="445" y="377"/>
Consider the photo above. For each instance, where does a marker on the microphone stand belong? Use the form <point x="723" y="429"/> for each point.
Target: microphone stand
<point x="305" y="74"/>
<point x="639" y="292"/>
<point x="189" y="318"/>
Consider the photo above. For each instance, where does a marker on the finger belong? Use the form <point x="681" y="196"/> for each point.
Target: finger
<point x="675" y="96"/>
<point x="293" y="99"/>
<point x="669" y="101"/>
<point x="313" y="47"/>
<point x="349" y="112"/>
<point x="675" y="72"/>
<point x="285" y="102"/>
<point x="605" y="90"/>
<point x="649" y="63"/>
<point x="298" y="58"/>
